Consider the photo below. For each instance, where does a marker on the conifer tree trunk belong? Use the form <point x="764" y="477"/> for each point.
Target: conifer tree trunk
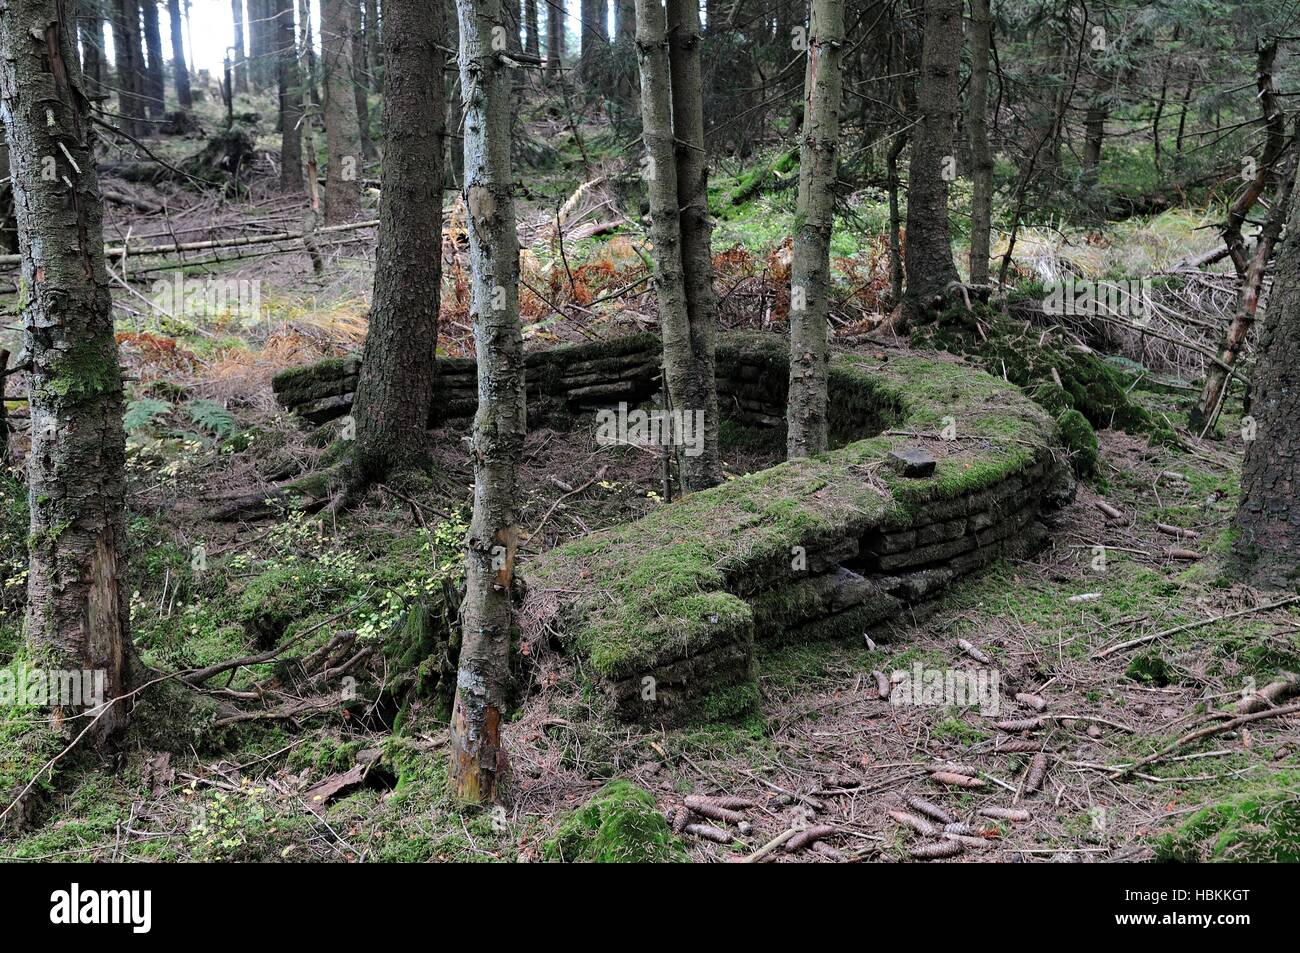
<point x="90" y="16"/>
<point x="290" y="83"/>
<point x="240" y="66"/>
<point x="810" y="269"/>
<point x="374" y="44"/>
<point x="360" y="81"/>
<point x="1268" y="519"/>
<point x="153" y="47"/>
<point x="78" y="604"/>
<point x="182" y="74"/>
<point x="554" y="37"/>
<point x="532" y="46"/>
<point x="342" y="136"/>
<point x="981" y="203"/>
<point x="703" y="470"/>
<point x="930" y="268"/>
<point x="127" y="55"/>
<point x="594" y="32"/>
<point x="395" y="392"/>
<point x="478" y="759"/>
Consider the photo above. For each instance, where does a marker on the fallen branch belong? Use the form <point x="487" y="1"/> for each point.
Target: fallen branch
<point x="1143" y="640"/>
<point x="1206" y="733"/>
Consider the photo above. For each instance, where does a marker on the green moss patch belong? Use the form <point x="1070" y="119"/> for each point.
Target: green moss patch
<point x="619" y="825"/>
<point x="1258" y="825"/>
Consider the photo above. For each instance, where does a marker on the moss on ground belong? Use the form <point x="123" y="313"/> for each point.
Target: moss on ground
<point x="619" y="824"/>
<point x="663" y="587"/>
<point x="1260" y="824"/>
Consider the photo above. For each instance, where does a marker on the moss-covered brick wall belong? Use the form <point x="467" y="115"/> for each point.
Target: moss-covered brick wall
<point x="666" y="612"/>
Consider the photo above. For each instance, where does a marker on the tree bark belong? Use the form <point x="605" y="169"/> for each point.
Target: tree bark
<point x="291" y="115"/>
<point x="701" y="395"/>
<point x="595" y="35"/>
<point x="930" y="269"/>
<point x="310" y="172"/>
<point x="395" y="391"/>
<point x="981" y="203"/>
<point x="179" y="70"/>
<point x="128" y="55"/>
<point x="532" y="45"/>
<point x="554" y="37"/>
<point x="478" y="759"/>
<point x="90" y="17"/>
<point x="78" y="602"/>
<point x="1268" y="519"/>
<point x="360" y="80"/>
<point x="156" y="88"/>
<point x="342" y="136"/>
<point x="240" y="66"/>
<point x="374" y="45"/>
<point x="811" y="265"/>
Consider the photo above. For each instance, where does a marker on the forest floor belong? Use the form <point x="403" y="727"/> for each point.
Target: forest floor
<point x="321" y="780"/>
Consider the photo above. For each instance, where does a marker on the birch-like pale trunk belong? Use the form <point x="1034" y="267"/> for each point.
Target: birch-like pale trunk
<point x="810" y="269"/>
<point x="478" y="759"/>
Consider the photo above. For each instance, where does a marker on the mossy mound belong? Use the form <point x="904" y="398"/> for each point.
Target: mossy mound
<point x="284" y="594"/>
<point x="1080" y="440"/>
<point x="1058" y="376"/>
<point x="1259" y="825"/>
<point x="619" y="825"/>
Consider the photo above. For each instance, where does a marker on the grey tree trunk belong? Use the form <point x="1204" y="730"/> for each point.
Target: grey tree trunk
<point x="153" y="47"/>
<point x="290" y="100"/>
<point x="78" y="603"/>
<point x="532" y="45"/>
<point x="701" y="394"/>
<point x="395" y="392"/>
<point x="342" y="135"/>
<point x="240" y="66"/>
<point x="930" y="269"/>
<point x="128" y="54"/>
<point x="179" y="70"/>
<point x="90" y="17"/>
<point x="1268" y="520"/>
<point x="361" y="81"/>
<point x="682" y="373"/>
<point x="374" y="45"/>
<point x="981" y="203"/>
<point x="478" y="759"/>
<point x="811" y="266"/>
<point x="310" y="171"/>
<point x="554" y="37"/>
<point x="594" y="31"/>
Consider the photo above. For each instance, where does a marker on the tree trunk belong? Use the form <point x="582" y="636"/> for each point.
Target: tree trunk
<point x="395" y="392"/>
<point x="240" y="66"/>
<point x="1094" y="126"/>
<point x="127" y="54"/>
<point x="90" y="16"/>
<point x="533" y="45"/>
<point x="981" y="203"/>
<point x="374" y="45"/>
<point x="290" y="100"/>
<point x="701" y="395"/>
<point x="78" y="602"/>
<point x="360" y="80"/>
<point x="477" y="759"/>
<point x="1268" y="520"/>
<point x="811" y="265"/>
<point x="930" y="269"/>
<point x="310" y="172"/>
<point x="625" y="20"/>
<point x="179" y="70"/>
<point x="554" y="37"/>
<point x="156" y="88"/>
<point x="682" y="373"/>
<point x="342" y="136"/>
<point x="595" y="35"/>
